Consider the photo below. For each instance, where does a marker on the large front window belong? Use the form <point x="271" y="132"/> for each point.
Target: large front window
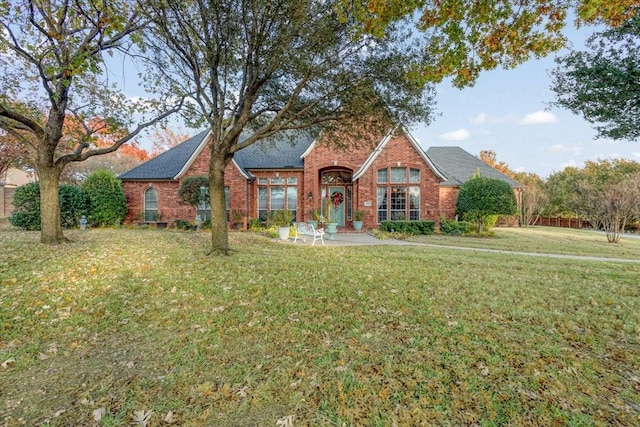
<point x="396" y="199"/>
<point x="277" y="193"/>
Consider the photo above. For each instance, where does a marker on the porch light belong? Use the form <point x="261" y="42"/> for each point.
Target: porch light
<point x="310" y="196"/>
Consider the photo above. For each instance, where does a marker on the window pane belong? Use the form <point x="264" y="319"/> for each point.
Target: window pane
<point x="292" y="201"/>
<point x="414" y="203"/>
<point x="277" y="198"/>
<point x="382" y="176"/>
<point x="276" y="180"/>
<point x="398" y="174"/>
<point x="263" y="213"/>
<point x="262" y="181"/>
<point x="292" y="181"/>
<point x="414" y="175"/>
<point x="398" y="203"/>
<point x="382" y="204"/>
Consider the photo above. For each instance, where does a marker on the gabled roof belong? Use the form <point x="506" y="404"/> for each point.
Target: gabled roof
<point x="414" y="142"/>
<point x="281" y="153"/>
<point x="459" y="165"/>
<point x="168" y="165"/>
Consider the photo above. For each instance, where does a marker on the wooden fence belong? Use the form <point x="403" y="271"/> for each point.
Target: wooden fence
<point x="563" y="222"/>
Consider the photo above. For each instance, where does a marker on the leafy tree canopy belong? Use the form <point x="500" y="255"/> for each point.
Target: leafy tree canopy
<point x="464" y="37"/>
<point x="602" y="83"/>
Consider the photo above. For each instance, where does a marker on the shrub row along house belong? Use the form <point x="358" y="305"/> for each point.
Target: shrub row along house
<point x="391" y="178"/>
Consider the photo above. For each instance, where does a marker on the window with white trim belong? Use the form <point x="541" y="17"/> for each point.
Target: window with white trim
<point x="396" y="199"/>
<point x="277" y="193"/>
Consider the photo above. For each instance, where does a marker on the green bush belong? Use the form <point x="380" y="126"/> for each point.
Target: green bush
<point x="408" y="227"/>
<point x="255" y="224"/>
<point x="455" y="227"/>
<point x="73" y="204"/>
<point x="26" y="200"/>
<point x="481" y="197"/>
<point x="108" y="205"/>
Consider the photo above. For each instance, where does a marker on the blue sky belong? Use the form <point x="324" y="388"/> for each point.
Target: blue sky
<point x="508" y="111"/>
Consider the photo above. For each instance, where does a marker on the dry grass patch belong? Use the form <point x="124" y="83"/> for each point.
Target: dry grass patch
<point x="123" y="324"/>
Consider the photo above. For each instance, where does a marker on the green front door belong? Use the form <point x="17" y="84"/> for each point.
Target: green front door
<point x="337" y="205"/>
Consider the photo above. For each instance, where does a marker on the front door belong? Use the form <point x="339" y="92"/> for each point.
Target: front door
<point x="336" y="194"/>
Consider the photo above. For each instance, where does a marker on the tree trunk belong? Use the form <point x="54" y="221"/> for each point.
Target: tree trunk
<point x="219" y="234"/>
<point x="50" y="223"/>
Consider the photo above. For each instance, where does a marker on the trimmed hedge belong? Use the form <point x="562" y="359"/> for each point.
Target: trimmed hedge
<point x="408" y="227"/>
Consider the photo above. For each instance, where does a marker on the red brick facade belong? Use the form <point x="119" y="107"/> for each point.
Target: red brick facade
<point x="399" y="151"/>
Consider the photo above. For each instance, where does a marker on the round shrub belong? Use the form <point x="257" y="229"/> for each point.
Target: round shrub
<point x="107" y="202"/>
<point x="481" y="197"/>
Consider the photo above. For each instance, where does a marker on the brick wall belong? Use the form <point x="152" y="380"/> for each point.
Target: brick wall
<point x="398" y="152"/>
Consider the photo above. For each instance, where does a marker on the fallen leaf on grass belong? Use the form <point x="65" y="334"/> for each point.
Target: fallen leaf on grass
<point x="286" y="421"/>
<point x="8" y="363"/>
<point x="169" y="418"/>
<point x="99" y="413"/>
<point x="141" y="418"/>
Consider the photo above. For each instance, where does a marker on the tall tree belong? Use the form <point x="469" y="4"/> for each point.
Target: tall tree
<point x="602" y="83"/>
<point x="256" y="68"/>
<point x="534" y="198"/>
<point x="51" y="57"/>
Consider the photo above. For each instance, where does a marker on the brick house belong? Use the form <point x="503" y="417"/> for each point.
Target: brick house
<point x="392" y="179"/>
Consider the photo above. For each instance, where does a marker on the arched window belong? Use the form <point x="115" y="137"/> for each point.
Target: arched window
<point x="150" y="204"/>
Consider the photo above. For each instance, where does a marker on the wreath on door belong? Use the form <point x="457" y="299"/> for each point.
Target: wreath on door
<point x="337" y="198"/>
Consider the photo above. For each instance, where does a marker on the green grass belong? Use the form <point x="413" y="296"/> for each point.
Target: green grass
<point x="544" y="240"/>
<point x="120" y="321"/>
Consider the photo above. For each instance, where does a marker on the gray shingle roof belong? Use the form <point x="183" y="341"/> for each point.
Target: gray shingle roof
<point x="166" y="165"/>
<point x="281" y="153"/>
<point x="459" y="165"/>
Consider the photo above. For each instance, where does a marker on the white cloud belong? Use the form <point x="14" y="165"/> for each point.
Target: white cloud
<point x="456" y="135"/>
<point x="574" y="149"/>
<point x="636" y="154"/>
<point x="537" y="118"/>
<point x="484" y="118"/>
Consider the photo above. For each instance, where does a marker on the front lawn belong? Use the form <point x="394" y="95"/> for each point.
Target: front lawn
<point x="544" y="240"/>
<point x="120" y="325"/>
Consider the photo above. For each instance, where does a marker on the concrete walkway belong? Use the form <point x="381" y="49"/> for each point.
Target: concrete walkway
<point x="356" y="239"/>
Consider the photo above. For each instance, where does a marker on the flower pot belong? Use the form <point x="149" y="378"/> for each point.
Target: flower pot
<point x="283" y="232"/>
<point x="237" y="225"/>
<point x="357" y="225"/>
<point x="332" y="229"/>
